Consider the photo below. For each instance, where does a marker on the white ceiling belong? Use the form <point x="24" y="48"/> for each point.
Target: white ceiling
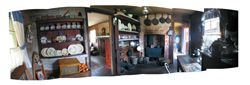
<point x="94" y="18"/>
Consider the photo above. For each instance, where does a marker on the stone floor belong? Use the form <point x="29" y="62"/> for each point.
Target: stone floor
<point x="99" y="69"/>
<point x="152" y="68"/>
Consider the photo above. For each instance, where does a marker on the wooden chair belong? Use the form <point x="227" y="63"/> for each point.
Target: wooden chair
<point x="21" y="73"/>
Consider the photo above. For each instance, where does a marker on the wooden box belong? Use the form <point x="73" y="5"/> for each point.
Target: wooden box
<point x="69" y="66"/>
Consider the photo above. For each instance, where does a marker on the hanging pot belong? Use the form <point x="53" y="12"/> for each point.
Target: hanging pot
<point x="168" y="20"/>
<point x="162" y="20"/>
<point x="147" y="21"/>
<point x="155" y="21"/>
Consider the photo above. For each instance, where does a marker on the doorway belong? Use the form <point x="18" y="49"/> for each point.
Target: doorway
<point x="181" y="41"/>
<point x="99" y="29"/>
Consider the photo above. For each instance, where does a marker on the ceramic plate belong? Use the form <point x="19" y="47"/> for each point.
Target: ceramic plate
<point x="72" y="49"/>
<point x="63" y="38"/>
<point x="64" y="26"/>
<point x="43" y="40"/>
<point x="47" y="28"/>
<point x="51" y="52"/>
<point x="129" y="27"/>
<point x="80" y="48"/>
<point x="78" y="35"/>
<point x="58" y="52"/>
<point x="43" y="52"/>
<point x="134" y="27"/>
<point x="42" y="28"/>
<point x="65" y="52"/>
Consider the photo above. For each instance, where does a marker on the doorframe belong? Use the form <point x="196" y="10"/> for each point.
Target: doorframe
<point x="112" y="37"/>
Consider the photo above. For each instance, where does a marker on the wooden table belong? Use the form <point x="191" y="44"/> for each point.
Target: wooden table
<point x="185" y="63"/>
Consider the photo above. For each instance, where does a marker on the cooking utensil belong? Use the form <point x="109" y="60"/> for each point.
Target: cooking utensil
<point x="147" y="21"/>
<point x="168" y="20"/>
<point x="155" y="21"/>
<point x="162" y="20"/>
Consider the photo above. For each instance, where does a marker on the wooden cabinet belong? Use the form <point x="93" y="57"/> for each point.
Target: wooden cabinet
<point x="128" y="30"/>
<point x="57" y="35"/>
<point x="127" y="38"/>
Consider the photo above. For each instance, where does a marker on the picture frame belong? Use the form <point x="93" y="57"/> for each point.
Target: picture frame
<point x="40" y="75"/>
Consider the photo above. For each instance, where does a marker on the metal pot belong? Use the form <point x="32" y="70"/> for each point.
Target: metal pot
<point x="168" y="20"/>
<point x="147" y="21"/>
<point x="162" y="20"/>
<point x="155" y="21"/>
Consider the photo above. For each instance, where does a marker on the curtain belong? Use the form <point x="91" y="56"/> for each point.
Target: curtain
<point x="19" y="54"/>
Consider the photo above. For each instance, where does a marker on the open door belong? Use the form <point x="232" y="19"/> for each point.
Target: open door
<point x="100" y="34"/>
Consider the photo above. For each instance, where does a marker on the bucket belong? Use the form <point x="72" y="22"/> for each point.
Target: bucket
<point x="134" y="60"/>
<point x="146" y="60"/>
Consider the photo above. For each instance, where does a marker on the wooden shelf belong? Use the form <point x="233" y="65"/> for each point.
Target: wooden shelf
<point x="52" y="34"/>
<point x="64" y="56"/>
<point x="60" y="29"/>
<point x="105" y="36"/>
<point x="125" y="31"/>
<point x="127" y="18"/>
<point x="60" y="45"/>
<point x="128" y="39"/>
<point x="60" y="20"/>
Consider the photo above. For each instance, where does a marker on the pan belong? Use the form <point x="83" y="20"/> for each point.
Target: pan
<point x="168" y="20"/>
<point x="147" y="21"/>
<point x="155" y="21"/>
<point x="162" y="20"/>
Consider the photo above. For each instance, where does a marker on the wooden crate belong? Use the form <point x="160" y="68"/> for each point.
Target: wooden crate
<point x="68" y="66"/>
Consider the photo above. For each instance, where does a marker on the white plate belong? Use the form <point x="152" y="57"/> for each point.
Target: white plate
<point x="42" y="28"/>
<point x="80" y="48"/>
<point x="129" y="27"/>
<point x="80" y="38"/>
<point x="52" y="27"/>
<point x="72" y="49"/>
<point x="58" y="53"/>
<point x="134" y="27"/>
<point x="43" y="52"/>
<point x="64" y="38"/>
<point x="65" y="52"/>
<point x="58" y="26"/>
<point x="47" y="28"/>
<point x="78" y="35"/>
<point x="64" y="26"/>
<point x="43" y="40"/>
<point x="51" y="51"/>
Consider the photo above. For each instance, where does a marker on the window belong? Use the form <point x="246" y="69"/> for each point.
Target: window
<point x="92" y="35"/>
<point x="211" y="33"/>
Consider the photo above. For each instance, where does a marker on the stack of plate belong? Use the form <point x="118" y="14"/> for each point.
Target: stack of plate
<point x="72" y="50"/>
<point x="48" y="52"/>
